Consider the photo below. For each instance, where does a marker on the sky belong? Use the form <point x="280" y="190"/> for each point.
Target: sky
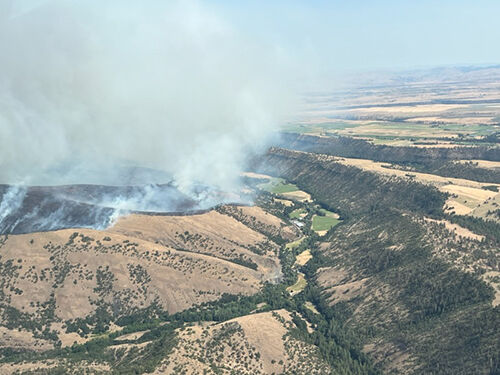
<point x="339" y="35"/>
<point x="376" y="34"/>
<point x="327" y="38"/>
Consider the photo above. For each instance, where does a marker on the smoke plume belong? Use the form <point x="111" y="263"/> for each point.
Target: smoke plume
<point x="90" y="89"/>
<point x="166" y="97"/>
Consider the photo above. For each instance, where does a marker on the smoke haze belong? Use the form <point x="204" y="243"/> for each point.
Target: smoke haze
<point x="89" y="89"/>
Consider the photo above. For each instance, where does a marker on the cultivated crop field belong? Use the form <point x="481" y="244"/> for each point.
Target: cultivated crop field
<point x="439" y="111"/>
<point x="428" y="132"/>
<point x="278" y="186"/>
<point x="323" y="223"/>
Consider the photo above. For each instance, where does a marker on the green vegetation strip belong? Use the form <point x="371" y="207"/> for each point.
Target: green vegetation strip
<point x="299" y="286"/>
<point x="295" y="244"/>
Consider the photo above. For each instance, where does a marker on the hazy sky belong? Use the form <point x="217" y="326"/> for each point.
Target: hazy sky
<point x="371" y="34"/>
<point x="363" y="34"/>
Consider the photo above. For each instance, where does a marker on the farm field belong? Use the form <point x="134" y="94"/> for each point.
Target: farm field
<point x="400" y="132"/>
<point x="285" y="191"/>
<point x="278" y="186"/>
<point x="298" y="213"/>
<point x="303" y="257"/>
<point x="402" y="114"/>
<point x="321" y="224"/>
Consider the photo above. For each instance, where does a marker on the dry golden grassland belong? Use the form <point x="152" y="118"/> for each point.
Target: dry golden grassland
<point x="251" y="344"/>
<point x="178" y="261"/>
<point x="467" y="197"/>
<point x="303" y="257"/>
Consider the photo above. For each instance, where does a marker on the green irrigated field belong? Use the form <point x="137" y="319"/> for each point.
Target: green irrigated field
<point x="321" y="223"/>
<point x="328" y="213"/>
<point x="402" y="133"/>
<point x="295" y="214"/>
<point x="319" y="128"/>
<point x="278" y="186"/>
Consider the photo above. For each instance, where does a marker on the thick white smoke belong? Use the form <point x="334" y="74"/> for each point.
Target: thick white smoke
<point x="10" y="202"/>
<point x="87" y="86"/>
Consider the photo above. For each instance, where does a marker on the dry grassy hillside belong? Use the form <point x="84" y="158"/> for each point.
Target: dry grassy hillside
<point x="54" y="280"/>
<point x="252" y="344"/>
<point x="466" y="197"/>
<point x="261" y="343"/>
<point x="212" y="233"/>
